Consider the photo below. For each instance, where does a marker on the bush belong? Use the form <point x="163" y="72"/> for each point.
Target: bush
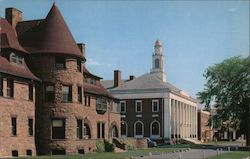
<point x="129" y="143"/>
<point x="109" y="147"/>
<point x="100" y="146"/>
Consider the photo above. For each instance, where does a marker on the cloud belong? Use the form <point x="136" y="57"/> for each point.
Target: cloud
<point x="92" y="62"/>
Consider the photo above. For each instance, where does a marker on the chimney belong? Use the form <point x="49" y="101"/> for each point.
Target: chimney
<point x="81" y="46"/>
<point x="13" y="16"/>
<point x="117" y="78"/>
<point x="131" y="77"/>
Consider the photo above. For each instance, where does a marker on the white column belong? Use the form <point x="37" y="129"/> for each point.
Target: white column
<point x="177" y="119"/>
<point x="196" y="123"/>
<point x="182" y="120"/>
<point x="167" y="118"/>
<point x="189" y="121"/>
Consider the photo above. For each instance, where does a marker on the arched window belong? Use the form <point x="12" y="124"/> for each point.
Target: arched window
<point x="157" y="63"/>
<point x="87" y="133"/>
<point x="114" y="131"/>
<point x="138" y="129"/>
<point x="124" y="128"/>
<point x="155" y="129"/>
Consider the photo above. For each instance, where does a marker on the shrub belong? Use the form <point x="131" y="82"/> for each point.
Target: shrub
<point x="109" y="147"/>
<point x="100" y="146"/>
<point x="129" y="143"/>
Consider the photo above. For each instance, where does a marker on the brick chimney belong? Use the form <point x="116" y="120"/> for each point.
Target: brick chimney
<point x="13" y="16"/>
<point x="131" y="77"/>
<point x="117" y="78"/>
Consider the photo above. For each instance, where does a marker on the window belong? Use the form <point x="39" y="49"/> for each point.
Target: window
<point x="138" y="129"/>
<point x="79" y="129"/>
<point x="49" y="93"/>
<point x="155" y="106"/>
<point x="114" y="131"/>
<point x="138" y="106"/>
<point x="79" y="94"/>
<point x="124" y="129"/>
<point x="86" y="131"/>
<point x="100" y="130"/>
<point x="14" y="153"/>
<point x="1" y="86"/>
<point x="155" y="129"/>
<point x="123" y="106"/>
<point x="67" y="93"/>
<point x="30" y="125"/>
<point x="58" y="152"/>
<point x="31" y="92"/>
<point x="85" y="80"/>
<point x="79" y="65"/>
<point x="157" y="63"/>
<point x="29" y="152"/>
<point x="103" y="130"/>
<point x="58" y="129"/>
<point x="16" y="59"/>
<point x="81" y="151"/>
<point x="93" y="81"/>
<point x="87" y="100"/>
<point x="13" y="126"/>
<point x="60" y="63"/>
<point x="10" y="88"/>
<point x="101" y="103"/>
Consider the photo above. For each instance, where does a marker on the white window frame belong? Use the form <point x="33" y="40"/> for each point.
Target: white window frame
<point x="138" y="136"/>
<point x="138" y="101"/>
<point x="125" y="106"/>
<point x="155" y="100"/>
<point x="126" y="134"/>
<point x="155" y="136"/>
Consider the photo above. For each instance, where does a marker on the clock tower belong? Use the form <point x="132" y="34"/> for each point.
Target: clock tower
<point x="158" y="61"/>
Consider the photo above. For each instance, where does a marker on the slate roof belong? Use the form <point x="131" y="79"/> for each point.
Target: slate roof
<point x="20" y="71"/>
<point x="8" y="37"/>
<point x="49" y="35"/>
<point x="148" y="81"/>
<point x="9" y="41"/>
<point x="97" y="89"/>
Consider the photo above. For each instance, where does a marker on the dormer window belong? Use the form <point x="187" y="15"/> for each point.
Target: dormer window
<point x="93" y="81"/>
<point x="60" y="63"/>
<point x="16" y="59"/>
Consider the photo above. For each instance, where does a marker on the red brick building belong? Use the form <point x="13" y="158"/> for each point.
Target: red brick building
<point x="73" y="109"/>
<point x="17" y="94"/>
<point x="205" y="132"/>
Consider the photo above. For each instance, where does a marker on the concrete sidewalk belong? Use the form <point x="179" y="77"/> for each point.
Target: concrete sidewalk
<point x="190" y="154"/>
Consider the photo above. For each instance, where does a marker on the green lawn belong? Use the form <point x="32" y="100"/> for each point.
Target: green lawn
<point x="109" y="155"/>
<point x="232" y="155"/>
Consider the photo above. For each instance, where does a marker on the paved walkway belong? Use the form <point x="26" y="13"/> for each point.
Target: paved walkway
<point x="190" y="154"/>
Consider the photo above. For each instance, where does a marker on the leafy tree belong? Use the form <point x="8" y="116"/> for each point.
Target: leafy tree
<point x="228" y="84"/>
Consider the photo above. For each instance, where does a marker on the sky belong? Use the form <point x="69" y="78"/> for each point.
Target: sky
<point x="121" y="34"/>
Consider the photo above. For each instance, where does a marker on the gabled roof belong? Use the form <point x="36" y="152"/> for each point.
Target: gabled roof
<point x="149" y="82"/>
<point x="87" y="73"/>
<point x="19" y="71"/>
<point x="8" y="37"/>
<point x="50" y="35"/>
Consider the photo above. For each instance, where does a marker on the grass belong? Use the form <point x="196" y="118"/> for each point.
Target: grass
<point x="108" y="155"/>
<point x="232" y="155"/>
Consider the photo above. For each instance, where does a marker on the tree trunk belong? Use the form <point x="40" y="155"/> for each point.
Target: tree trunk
<point x="248" y="122"/>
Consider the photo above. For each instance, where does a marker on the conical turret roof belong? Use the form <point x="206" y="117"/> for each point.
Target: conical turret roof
<point x="52" y="35"/>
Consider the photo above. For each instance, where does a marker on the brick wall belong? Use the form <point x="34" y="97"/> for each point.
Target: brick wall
<point x="21" y="108"/>
<point x="43" y="67"/>
<point x="146" y="115"/>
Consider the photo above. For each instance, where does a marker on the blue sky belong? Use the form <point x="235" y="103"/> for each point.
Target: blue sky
<point x="121" y="34"/>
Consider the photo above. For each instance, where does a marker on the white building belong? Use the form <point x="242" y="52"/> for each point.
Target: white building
<point x="151" y="106"/>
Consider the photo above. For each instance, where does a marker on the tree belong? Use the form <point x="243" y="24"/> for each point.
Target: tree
<point x="228" y="85"/>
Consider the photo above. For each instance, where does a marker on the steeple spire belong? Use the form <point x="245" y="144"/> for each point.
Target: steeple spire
<point x="158" y="66"/>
